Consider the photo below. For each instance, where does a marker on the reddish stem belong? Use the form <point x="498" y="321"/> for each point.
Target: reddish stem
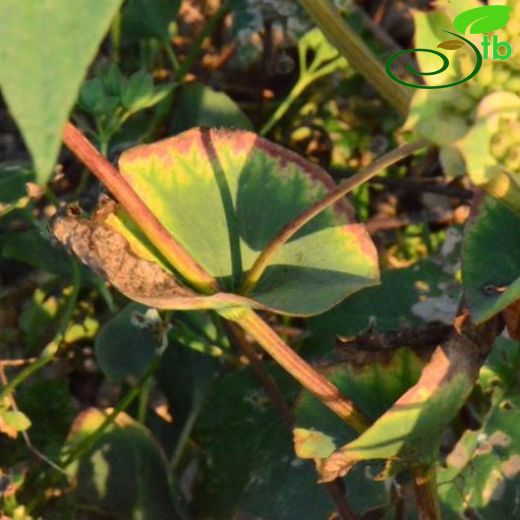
<point x="179" y="258"/>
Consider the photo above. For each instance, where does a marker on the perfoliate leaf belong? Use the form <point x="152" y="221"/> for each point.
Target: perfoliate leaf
<point x="483" y="19"/>
<point x="225" y="194"/>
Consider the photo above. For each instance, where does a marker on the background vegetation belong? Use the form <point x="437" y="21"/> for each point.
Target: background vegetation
<point x="165" y="406"/>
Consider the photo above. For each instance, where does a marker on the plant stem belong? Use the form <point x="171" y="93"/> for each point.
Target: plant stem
<point x="284" y="106"/>
<point x="261" y="263"/>
<point x="247" y="319"/>
<point x="425" y="484"/>
<point x="358" y="54"/>
<point x="171" y="54"/>
<point x="187" y="430"/>
<point x="307" y="78"/>
<point x="179" y="258"/>
<point x="310" y="378"/>
<point x="144" y="398"/>
<point x="270" y="387"/>
<point x="52" y="348"/>
<point x="89" y="441"/>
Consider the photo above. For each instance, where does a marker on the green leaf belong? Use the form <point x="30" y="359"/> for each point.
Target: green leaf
<point x="13" y="180"/>
<point x="94" y="99"/>
<point x="125" y="473"/>
<point x="428" y="292"/>
<point x="113" y="80"/>
<point x="200" y="105"/>
<point x="137" y="90"/>
<point x="46" y="48"/>
<point x="32" y="248"/>
<point x="491" y="285"/>
<point x="431" y="114"/>
<point x="233" y="192"/>
<point x="240" y="433"/>
<point x="373" y="386"/>
<point x="38" y="316"/>
<point x="482" y="472"/>
<point x="410" y="431"/>
<point x="123" y="348"/>
<point x="485" y="19"/>
<point x="406" y="298"/>
<point x="149" y="18"/>
<point x="15" y="419"/>
<point x="314" y="42"/>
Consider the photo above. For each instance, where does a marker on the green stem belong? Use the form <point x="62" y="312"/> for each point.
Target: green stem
<point x="303" y="83"/>
<point x="144" y="398"/>
<point x="52" y="348"/>
<point x="310" y="378"/>
<point x="186" y="431"/>
<point x="381" y="164"/>
<point x="171" y="55"/>
<point x="115" y="36"/>
<point x="425" y="485"/>
<point x="89" y="441"/>
<point x="358" y="54"/>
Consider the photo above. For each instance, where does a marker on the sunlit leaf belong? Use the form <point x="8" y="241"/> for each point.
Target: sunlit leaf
<point x="233" y="192"/>
<point x="125" y="473"/>
<point x="46" y="49"/>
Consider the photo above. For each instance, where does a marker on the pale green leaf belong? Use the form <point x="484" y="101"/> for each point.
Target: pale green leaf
<point x="45" y="49"/>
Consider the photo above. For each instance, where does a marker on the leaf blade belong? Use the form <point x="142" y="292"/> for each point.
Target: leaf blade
<point x="42" y="69"/>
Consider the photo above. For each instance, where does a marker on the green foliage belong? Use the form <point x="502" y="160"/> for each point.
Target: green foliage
<point x="224" y="225"/>
<point x="482" y="471"/>
<point x="13" y="178"/>
<point x="102" y="475"/>
<point x="200" y="105"/>
<point x="183" y="416"/>
<point x="406" y="297"/>
<point x="149" y="18"/>
<point x="42" y="69"/>
<point x="490" y="285"/>
<point x="126" y="345"/>
<point x="110" y="99"/>
<point x="239" y="434"/>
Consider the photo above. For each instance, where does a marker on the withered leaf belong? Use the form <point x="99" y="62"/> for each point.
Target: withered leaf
<point x="451" y="45"/>
<point x="108" y="253"/>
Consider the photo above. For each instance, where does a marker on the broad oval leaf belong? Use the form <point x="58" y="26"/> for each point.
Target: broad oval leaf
<point x="124" y="349"/>
<point x="451" y="45"/>
<point x="125" y="473"/>
<point x="225" y="194"/>
<point x="410" y="431"/>
<point x="46" y="49"/>
<point x="484" y="19"/>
